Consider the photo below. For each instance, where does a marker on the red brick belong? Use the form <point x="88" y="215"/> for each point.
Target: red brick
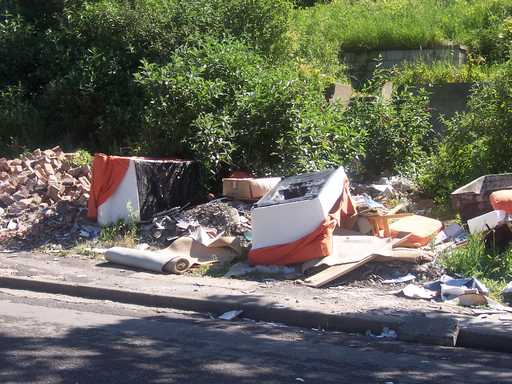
<point x="48" y="169"/>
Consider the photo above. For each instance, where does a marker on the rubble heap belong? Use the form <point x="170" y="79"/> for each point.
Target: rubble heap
<point x="41" y="194"/>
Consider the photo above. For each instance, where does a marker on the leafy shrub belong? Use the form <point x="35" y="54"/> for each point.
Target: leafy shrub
<point x="76" y="60"/>
<point x="19" y="121"/>
<point x="223" y="104"/>
<point x="473" y="259"/>
<point x="477" y="142"/>
<point x="397" y="132"/>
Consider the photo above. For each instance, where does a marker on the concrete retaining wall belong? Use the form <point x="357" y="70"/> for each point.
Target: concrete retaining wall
<point x="362" y="64"/>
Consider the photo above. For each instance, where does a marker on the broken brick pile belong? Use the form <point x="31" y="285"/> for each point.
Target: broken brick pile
<point x="36" y="188"/>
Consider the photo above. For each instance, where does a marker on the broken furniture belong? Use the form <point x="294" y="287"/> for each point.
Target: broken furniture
<point x="422" y="230"/>
<point x="472" y="199"/>
<point x="137" y="188"/>
<point x="501" y="200"/>
<point x="295" y="221"/>
<point x="380" y="222"/>
<point x="295" y="207"/>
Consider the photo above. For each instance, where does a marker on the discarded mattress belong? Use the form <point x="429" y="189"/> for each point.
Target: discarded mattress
<point x="295" y="221"/>
<point x="422" y="229"/>
<point x="136" y="188"/>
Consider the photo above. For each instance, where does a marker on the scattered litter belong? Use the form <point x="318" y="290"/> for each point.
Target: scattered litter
<point x="384" y="190"/>
<point x="386" y="333"/>
<point x="469" y="300"/>
<point x="299" y="379"/>
<point x="365" y="202"/>
<point x="352" y="249"/>
<point x="399" y="280"/>
<point x="449" y="287"/>
<point x="12" y="225"/>
<point x="416" y="292"/>
<point x="230" y="315"/>
<point x="250" y="189"/>
<point x="453" y="232"/>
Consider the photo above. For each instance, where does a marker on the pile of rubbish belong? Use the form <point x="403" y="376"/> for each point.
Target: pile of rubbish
<point x="315" y="228"/>
<point x="42" y="197"/>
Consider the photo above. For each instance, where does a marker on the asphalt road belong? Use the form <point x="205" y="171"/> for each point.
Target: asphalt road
<point x="58" y="339"/>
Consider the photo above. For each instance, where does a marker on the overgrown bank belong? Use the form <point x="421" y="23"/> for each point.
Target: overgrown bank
<point x="216" y="81"/>
<point x="240" y="84"/>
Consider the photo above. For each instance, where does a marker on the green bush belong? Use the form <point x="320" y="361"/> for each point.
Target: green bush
<point x="19" y="122"/>
<point x="76" y="60"/>
<point x="474" y="260"/>
<point x="323" y="32"/>
<point x="477" y="142"/>
<point x="397" y="131"/>
<point x="223" y="104"/>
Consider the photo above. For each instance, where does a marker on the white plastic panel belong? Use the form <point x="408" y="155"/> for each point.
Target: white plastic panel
<point x="287" y="222"/>
<point x="124" y="202"/>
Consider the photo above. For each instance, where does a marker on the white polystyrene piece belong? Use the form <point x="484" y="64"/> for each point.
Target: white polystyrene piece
<point x="287" y="222"/>
<point x="124" y="202"/>
<point x="486" y="221"/>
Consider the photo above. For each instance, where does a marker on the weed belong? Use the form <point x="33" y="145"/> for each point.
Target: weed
<point x="80" y="158"/>
<point x="84" y="248"/>
<point x="473" y="259"/>
<point x="212" y="270"/>
<point x="122" y="233"/>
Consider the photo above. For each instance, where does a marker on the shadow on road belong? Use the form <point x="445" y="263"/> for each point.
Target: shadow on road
<point x="160" y="349"/>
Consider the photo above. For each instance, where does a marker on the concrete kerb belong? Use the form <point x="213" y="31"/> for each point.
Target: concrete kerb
<point x="435" y="330"/>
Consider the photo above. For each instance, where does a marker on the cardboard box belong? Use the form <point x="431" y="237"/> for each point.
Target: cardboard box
<point x="248" y="189"/>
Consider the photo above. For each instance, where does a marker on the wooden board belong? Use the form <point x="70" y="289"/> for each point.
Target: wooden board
<point x="334" y="272"/>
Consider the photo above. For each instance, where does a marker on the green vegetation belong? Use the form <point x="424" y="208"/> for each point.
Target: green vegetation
<point x="124" y="234"/>
<point x="321" y="32"/>
<point x="81" y="157"/>
<point x="472" y="259"/>
<point x="476" y="143"/>
<point x="240" y="83"/>
<point x="441" y="73"/>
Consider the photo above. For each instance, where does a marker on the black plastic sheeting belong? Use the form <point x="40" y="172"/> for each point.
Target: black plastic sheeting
<point x="164" y="184"/>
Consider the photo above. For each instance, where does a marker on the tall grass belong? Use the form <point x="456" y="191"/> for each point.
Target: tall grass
<point x="441" y="73"/>
<point x="323" y="31"/>
<point x="473" y="259"/>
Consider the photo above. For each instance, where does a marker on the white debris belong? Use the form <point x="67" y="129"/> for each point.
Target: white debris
<point x="230" y="315"/>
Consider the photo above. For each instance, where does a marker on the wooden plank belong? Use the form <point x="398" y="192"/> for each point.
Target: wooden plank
<point x="407" y="255"/>
<point x="334" y="272"/>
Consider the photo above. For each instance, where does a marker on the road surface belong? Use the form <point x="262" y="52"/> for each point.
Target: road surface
<point x="58" y="339"/>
